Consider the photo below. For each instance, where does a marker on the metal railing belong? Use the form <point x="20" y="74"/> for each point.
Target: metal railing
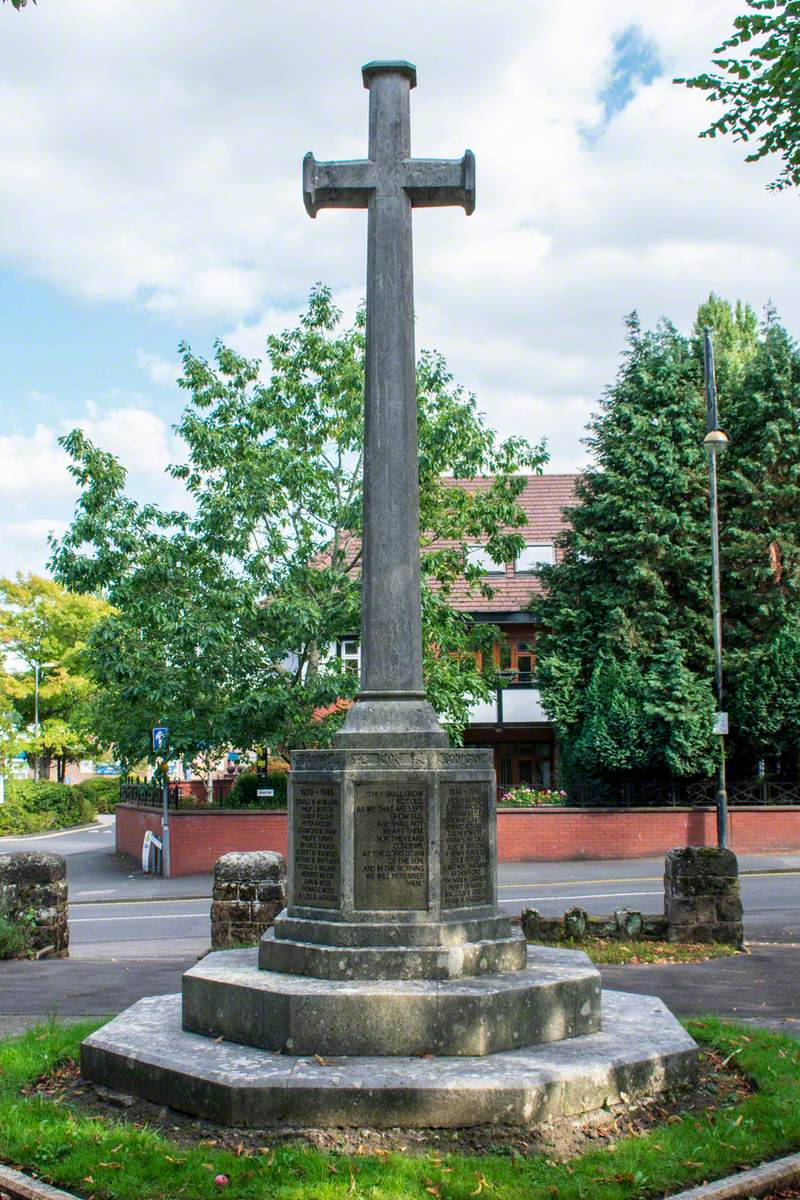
<point x="148" y="794"/>
<point x="696" y="793"/>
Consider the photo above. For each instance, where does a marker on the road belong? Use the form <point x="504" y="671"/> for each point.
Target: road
<point x="116" y="912"/>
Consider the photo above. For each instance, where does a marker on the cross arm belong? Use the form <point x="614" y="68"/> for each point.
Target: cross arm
<point x="431" y="182"/>
<point x="336" y="184"/>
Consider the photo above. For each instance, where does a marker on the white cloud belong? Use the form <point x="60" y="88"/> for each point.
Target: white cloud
<point x="161" y="371"/>
<point x="150" y="155"/>
<point x="37" y="492"/>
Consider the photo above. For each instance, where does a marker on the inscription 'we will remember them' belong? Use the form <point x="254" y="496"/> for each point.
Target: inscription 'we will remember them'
<point x="391" y="846"/>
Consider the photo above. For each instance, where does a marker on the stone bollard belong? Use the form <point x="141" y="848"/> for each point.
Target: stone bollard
<point x="249" y="892"/>
<point x="530" y="920"/>
<point x="33" y="892"/>
<point x="701" y="895"/>
<point x="576" y="924"/>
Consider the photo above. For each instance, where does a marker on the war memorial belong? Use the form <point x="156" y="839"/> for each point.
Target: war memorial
<point x="391" y="991"/>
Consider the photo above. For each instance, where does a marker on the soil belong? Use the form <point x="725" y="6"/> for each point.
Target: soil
<point x="719" y="1084"/>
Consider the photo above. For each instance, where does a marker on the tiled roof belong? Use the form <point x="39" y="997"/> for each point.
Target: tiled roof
<point x="543" y="500"/>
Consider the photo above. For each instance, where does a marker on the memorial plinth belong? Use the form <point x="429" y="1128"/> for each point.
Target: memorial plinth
<point x="392" y="990"/>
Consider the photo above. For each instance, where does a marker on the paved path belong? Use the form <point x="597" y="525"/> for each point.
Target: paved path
<point x="761" y="986"/>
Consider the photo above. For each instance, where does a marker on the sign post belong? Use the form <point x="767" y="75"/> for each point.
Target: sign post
<point x="160" y="737"/>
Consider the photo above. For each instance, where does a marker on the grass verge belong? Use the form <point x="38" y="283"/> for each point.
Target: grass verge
<point x="112" y="1160"/>
<point x="611" y="950"/>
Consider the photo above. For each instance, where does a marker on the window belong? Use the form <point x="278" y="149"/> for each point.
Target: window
<point x="349" y="653"/>
<point x="517" y="659"/>
<point x="533" y="557"/>
<point x="478" y="556"/>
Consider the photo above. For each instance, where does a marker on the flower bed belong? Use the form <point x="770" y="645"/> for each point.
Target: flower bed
<point x="529" y="797"/>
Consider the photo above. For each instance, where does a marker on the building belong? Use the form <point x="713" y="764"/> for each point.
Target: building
<point x="514" y="725"/>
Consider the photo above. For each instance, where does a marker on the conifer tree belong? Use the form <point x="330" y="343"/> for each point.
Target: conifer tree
<point x="625" y="659"/>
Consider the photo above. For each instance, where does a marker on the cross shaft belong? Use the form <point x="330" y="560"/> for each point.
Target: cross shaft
<point x="389" y="183"/>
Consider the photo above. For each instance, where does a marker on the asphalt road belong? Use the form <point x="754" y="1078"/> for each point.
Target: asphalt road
<point x="116" y="912"/>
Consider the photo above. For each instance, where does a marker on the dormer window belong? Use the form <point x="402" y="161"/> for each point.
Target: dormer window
<point x="478" y="556"/>
<point x="535" y="555"/>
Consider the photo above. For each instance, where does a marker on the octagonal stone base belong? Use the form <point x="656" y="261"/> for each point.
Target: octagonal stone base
<point x="556" y="996"/>
<point x="641" y="1051"/>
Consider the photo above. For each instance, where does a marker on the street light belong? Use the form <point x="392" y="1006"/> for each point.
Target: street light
<point x="716" y="442"/>
<point x="38" y="667"/>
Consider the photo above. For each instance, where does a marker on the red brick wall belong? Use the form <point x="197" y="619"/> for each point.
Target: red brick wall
<point x="198" y="838"/>
<point x="546" y="834"/>
<point x="202" y="836"/>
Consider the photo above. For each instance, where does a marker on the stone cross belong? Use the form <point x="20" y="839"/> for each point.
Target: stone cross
<point x="391" y="708"/>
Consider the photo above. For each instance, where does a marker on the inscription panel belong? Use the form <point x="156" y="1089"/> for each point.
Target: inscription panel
<point x="466" y="858"/>
<point x="317" y="866"/>
<point x="391" y="845"/>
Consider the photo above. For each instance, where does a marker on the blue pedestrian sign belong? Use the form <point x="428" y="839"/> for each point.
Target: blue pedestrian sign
<point x="160" y="735"/>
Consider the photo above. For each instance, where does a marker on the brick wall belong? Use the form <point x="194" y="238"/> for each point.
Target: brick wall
<point x="201" y="836"/>
<point x="547" y="834"/>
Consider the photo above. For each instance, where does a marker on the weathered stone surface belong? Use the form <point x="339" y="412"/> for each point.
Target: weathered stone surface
<point x="576" y="923"/>
<point x="530" y="920"/>
<point x="249" y="892"/>
<point x="355" y="933"/>
<point x="556" y="996"/>
<point x="32" y="867"/>
<point x="629" y="923"/>
<point x="254" y="865"/>
<point x="33" y="890"/>
<point x="393" y="962"/>
<point x="702" y="900"/>
<point x="700" y="860"/>
<point x="641" y="1051"/>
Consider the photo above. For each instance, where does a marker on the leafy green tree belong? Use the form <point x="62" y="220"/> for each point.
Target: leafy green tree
<point x="625" y="662"/>
<point x="761" y="550"/>
<point x="225" y="612"/>
<point x="43" y="625"/>
<point x="760" y="88"/>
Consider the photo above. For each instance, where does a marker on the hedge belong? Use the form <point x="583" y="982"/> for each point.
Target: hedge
<point x="243" y="792"/>
<point x="34" y="806"/>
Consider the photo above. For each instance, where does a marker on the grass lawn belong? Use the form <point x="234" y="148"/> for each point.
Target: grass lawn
<point x="115" y="1160"/>
<point x="611" y="950"/>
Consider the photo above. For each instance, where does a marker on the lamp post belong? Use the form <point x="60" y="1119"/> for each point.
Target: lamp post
<point x="716" y="442"/>
<point x="38" y="667"/>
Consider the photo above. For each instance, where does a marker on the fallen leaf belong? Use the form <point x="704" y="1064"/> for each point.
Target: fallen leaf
<point x="481" y="1185"/>
<point x="322" y="1061"/>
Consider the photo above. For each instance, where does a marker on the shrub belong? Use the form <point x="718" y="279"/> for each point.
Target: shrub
<point x="243" y="792"/>
<point x="102" y="793"/>
<point x="34" y="806"/>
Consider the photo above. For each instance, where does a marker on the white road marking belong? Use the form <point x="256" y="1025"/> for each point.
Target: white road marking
<point x="43" y="837"/>
<point x="143" y="917"/>
<point x="593" y="896"/>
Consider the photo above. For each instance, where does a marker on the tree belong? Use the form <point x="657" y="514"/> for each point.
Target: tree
<point x="18" y="4"/>
<point x="761" y="553"/>
<point x="761" y="88"/>
<point x="45" y="627"/>
<point x="225" y="612"/>
<point x="625" y="661"/>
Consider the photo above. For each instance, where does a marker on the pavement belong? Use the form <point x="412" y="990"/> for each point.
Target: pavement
<point x="134" y="935"/>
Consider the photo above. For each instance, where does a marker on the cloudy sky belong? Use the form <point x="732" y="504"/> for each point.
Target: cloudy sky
<point x="150" y="192"/>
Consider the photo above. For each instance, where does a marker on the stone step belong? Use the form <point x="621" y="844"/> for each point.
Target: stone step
<point x="641" y="1051"/>
<point x="497" y="957"/>
<point x="556" y="996"/>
